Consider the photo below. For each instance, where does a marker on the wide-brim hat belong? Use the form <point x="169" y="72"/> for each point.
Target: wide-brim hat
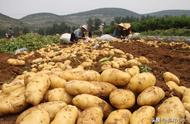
<point x="124" y="25"/>
<point x="85" y="27"/>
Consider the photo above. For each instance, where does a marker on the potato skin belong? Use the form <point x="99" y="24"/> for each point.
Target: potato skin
<point x="85" y="101"/>
<point x="133" y="70"/>
<point x="143" y="115"/>
<point x="51" y="107"/>
<point x="13" y="102"/>
<point x="67" y="115"/>
<point x="168" y="76"/>
<point x="150" y="96"/>
<point x="36" y="116"/>
<point x="172" y="108"/>
<point x="58" y="94"/>
<point x="36" y="88"/>
<point x="15" y="84"/>
<point x="76" y="87"/>
<point x="174" y="87"/>
<point x="80" y="74"/>
<point x="121" y="98"/>
<point x="186" y="99"/>
<point x="115" y="77"/>
<point x="141" y="81"/>
<point x="93" y="115"/>
<point x="56" y="82"/>
<point x="120" y="116"/>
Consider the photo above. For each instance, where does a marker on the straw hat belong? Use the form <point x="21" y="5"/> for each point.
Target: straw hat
<point x="125" y="25"/>
<point x="85" y="27"/>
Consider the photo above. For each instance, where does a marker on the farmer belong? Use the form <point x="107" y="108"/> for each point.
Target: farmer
<point x="122" y="30"/>
<point x="79" y="33"/>
<point x="9" y="33"/>
<point x="74" y="36"/>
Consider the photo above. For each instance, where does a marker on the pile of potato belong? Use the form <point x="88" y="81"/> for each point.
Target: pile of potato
<point x="54" y="92"/>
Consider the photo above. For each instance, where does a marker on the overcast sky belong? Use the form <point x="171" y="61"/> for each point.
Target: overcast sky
<point x="20" y="8"/>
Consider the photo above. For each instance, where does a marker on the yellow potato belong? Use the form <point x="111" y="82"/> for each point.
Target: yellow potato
<point x="56" y="82"/>
<point x="16" y="62"/>
<point x="122" y="99"/>
<point x="7" y="88"/>
<point x="80" y="74"/>
<point x="133" y="71"/>
<point x="13" y="102"/>
<point x="143" y="115"/>
<point x="174" y="87"/>
<point x="143" y="60"/>
<point x="36" y="88"/>
<point x="76" y="87"/>
<point x="58" y="94"/>
<point x="36" y="116"/>
<point x="51" y="107"/>
<point x="150" y="96"/>
<point x="120" y="116"/>
<point x="85" y="101"/>
<point x="67" y="115"/>
<point x="168" y="76"/>
<point x="132" y="62"/>
<point x="186" y="99"/>
<point x="187" y="117"/>
<point x="115" y="77"/>
<point x="141" y="81"/>
<point x="93" y="115"/>
<point x="171" y="109"/>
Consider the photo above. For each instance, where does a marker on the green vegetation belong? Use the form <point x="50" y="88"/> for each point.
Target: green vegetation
<point x="30" y="41"/>
<point x="166" y="26"/>
<point x="168" y="32"/>
<point x="145" y="68"/>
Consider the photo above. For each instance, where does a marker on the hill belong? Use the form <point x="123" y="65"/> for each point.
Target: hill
<point x="105" y="14"/>
<point x="41" y="19"/>
<point x="170" y="13"/>
<point x="6" y="22"/>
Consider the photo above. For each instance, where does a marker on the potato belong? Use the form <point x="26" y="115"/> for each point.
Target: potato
<point x="120" y="116"/>
<point x="58" y="94"/>
<point x="16" y="62"/>
<point x="186" y="99"/>
<point x="122" y="99"/>
<point x="76" y="87"/>
<point x="36" y="89"/>
<point x="187" y="117"/>
<point x="80" y="74"/>
<point x="133" y="71"/>
<point x="67" y="115"/>
<point x="132" y="62"/>
<point x="85" y="101"/>
<point x="14" y="102"/>
<point x="56" y="82"/>
<point x="36" y="116"/>
<point x="143" y="60"/>
<point x="115" y="77"/>
<point x="143" y="115"/>
<point x="7" y="88"/>
<point x="51" y="107"/>
<point x="150" y="96"/>
<point x="168" y="76"/>
<point x="171" y="109"/>
<point x="141" y="81"/>
<point x="174" y="87"/>
<point x="93" y="115"/>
